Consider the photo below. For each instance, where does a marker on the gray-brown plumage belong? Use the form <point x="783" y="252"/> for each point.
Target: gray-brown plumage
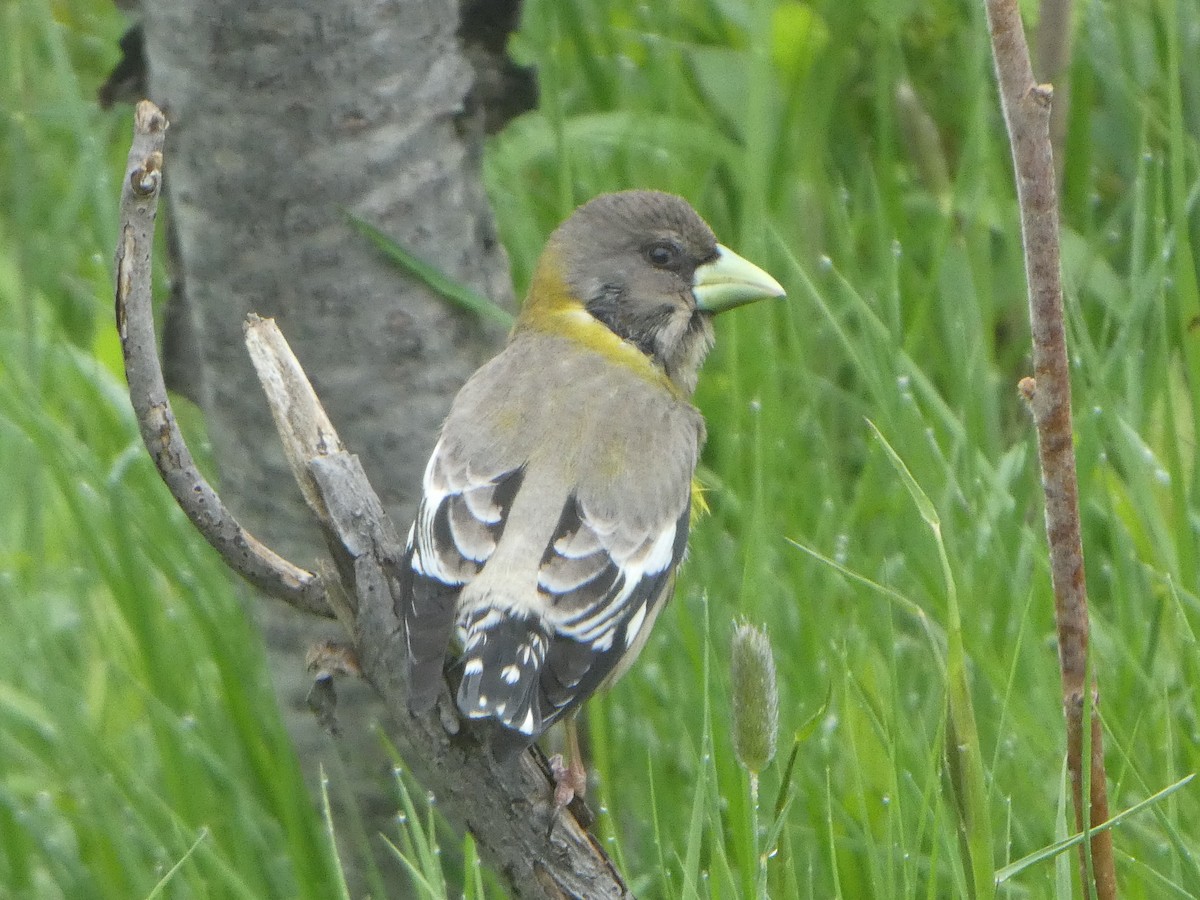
<point x="556" y="503"/>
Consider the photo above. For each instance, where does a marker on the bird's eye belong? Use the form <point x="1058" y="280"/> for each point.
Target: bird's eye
<point x="663" y="254"/>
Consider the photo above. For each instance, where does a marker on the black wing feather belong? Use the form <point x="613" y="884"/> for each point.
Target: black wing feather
<point x="528" y="671"/>
<point x="448" y="545"/>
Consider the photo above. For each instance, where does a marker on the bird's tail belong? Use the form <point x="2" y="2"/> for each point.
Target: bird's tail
<point x="425" y="606"/>
<point x="502" y="659"/>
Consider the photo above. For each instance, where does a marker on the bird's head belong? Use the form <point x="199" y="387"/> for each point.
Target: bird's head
<point x="644" y="265"/>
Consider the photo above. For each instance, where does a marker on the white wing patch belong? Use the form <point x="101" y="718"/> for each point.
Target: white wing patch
<point x="459" y="521"/>
<point x="595" y="619"/>
<point x="635" y="625"/>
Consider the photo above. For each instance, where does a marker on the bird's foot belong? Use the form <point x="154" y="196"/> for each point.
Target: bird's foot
<point x="567" y="785"/>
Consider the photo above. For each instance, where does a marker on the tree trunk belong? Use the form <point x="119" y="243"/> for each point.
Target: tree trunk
<point x="284" y="118"/>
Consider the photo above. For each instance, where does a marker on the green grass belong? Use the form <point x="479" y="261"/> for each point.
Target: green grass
<point x="140" y="754"/>
<point x="137" y="743"/>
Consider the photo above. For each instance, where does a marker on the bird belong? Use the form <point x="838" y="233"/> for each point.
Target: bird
<point x="557" y="501"/>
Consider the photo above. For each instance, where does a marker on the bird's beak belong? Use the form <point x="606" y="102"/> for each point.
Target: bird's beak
<point x="730" y="281"/>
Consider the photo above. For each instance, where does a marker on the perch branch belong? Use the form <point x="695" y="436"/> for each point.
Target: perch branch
<point x="1026" y="108"/>
<point x="240" y="550"/>
<point x="538" y="851"/>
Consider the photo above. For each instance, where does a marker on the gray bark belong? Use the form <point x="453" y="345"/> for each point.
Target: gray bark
<point x="283" y="118"/>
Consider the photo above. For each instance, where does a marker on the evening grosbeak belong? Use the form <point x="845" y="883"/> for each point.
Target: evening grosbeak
<point x="556" y="503"/>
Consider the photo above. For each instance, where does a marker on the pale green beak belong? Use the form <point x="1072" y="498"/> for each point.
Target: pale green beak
<point x="730" y="281"/>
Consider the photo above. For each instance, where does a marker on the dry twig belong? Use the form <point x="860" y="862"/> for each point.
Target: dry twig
<point x="1026" y="106"/>
<point x="241" y="551"/>
<point x="508" y="807"/>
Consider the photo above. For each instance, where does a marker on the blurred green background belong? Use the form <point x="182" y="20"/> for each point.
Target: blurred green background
<point x="856" y="151"/>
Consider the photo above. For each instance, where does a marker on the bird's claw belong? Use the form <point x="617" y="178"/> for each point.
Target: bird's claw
<point x="564" y="783"/>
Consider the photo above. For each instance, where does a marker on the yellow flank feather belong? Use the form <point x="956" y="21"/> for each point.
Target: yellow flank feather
<point x="551" y="307"/>
<point x="699" y="503"/>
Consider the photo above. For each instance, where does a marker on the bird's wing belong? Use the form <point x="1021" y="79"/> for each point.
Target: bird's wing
<point x="459" y="522"/>
<point x="600" y="584"/>
<point x="606" y="581"/>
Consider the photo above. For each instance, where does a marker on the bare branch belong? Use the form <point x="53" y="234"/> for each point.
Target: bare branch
<point x="241" y="551"/>
<point x="1026" y="108"/>
<point x="539" y="851"/>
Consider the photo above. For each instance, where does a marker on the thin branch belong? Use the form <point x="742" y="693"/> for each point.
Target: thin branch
<point x="241" y="551"/>
<point x="539" y="851"/>
<point x="1026" y="108"/>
